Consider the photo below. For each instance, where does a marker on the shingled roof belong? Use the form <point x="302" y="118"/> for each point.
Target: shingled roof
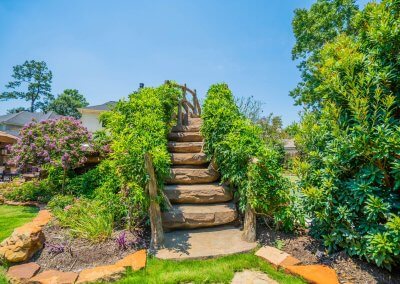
<point x="24" y="117"/>
<point x="106" y="106"/>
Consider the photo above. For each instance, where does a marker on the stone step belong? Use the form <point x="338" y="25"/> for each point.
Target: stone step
<point x="185" y="136"/>
<point x="185" y="147"/>
<point x="197" y="216"/>
<point x="198" y="193"/>
<point x="194" y="126"/>
<point x="203" y="243"/>
<point x="189" y="158"/>
<point x="192" y="175"/>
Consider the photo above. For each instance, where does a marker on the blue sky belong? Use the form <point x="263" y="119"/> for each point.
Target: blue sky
<point x="106" y="48"/>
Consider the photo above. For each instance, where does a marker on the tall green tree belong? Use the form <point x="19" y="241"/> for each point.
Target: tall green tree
<point x="312" y="29"/>
<point x="68" y="102"/>
<point x="349" y="136"/>
<point x="37" y="78"/>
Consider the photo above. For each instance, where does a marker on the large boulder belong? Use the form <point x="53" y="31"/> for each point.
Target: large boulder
<point x="24" y="242"/>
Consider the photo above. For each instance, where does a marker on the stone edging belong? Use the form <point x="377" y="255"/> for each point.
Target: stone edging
<point x="26" y="240"/>
<point x="27" y="273"/>
<point x="316" y="273"/>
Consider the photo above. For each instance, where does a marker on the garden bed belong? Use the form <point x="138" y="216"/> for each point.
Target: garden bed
<point x="66" y="253"/>
<point x="311" y="251"/>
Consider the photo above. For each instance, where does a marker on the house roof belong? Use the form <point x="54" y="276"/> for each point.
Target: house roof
<point x="24" y="117"/>
<point x="105" y="106"/>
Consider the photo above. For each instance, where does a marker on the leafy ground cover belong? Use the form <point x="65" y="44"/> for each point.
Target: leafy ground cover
<point x="219" y="270"/>
<point x="13" y="217"/>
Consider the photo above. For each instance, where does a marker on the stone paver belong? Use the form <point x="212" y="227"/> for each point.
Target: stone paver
<point x="272" y="255"/>
<point x="21" y="273"/>
<point x="289" y="261"/>
<point x="136" y="260"/>
<point x="54" y="277"/>
<point x="203" y="243"/>
<point x="106" y="273"/>
<point x="252" y="277"/>
<point x="317" y="274"/>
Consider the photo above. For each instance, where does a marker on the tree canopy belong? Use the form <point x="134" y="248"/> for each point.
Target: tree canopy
<point x="67" y="103"/>
<point x="37" y="78"/>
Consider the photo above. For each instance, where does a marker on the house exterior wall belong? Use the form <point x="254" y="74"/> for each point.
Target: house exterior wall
<point x="91" y="121"/>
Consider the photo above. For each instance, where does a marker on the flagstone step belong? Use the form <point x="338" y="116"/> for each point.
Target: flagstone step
<point x="197" y="216"/>
<point x="184" y="175"/>
<point x="198" y="193"/>
<point x="203" y="243"/>
<point x="185" y="136"/>
<point x="185" y="147"/>
<point x="189" y="158"/>
<point x="194" y="126"/>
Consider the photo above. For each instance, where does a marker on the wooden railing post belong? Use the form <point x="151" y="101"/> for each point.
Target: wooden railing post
<point x="249" y="228"/>
<point x="157" y="233"/>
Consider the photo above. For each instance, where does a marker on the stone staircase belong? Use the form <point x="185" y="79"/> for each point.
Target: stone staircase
<point x="198" y="200"/>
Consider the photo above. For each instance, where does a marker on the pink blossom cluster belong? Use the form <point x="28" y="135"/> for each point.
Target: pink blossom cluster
<point x="55" y="141"/>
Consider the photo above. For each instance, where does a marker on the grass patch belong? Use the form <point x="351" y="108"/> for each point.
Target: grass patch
<point x="219" y="270"/>
<point x="3" y="279"/>
<point x="13" y="217"/>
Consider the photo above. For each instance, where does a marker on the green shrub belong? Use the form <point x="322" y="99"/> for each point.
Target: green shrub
<point x="86" y="183"/>
<point x="30" y="191"/>
<point x="350" y="138"/>
<point x="137" y="126"/>
<point x="59" y="202"/>
<point x="246" y="161"/>
<point x="88" y="219"/>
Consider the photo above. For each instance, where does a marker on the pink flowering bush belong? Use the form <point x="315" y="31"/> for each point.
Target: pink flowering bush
<point x="58" y="143"/>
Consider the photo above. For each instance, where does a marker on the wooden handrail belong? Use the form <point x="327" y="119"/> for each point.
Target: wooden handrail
<point x="186" y="108"/>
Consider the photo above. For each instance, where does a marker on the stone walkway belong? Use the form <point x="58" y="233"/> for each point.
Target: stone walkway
<point x="252" y="277"/>
<point x="203" y="243"/>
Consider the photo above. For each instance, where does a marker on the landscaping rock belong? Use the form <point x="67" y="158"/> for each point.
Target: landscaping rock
<point x="21" y="273"/>
<point x="316" y="274"/>
<point x="54" y="277"/>
<point x="136" y="260"/>
<point x="198" y="193"/>
<point x="252" y="277"/>
<point x="196" y="216"/>
<point x="289" y="261"/>
<point x="23" y="243"/>
<point x="43" y="217"/>
<point x="272" y="255"/>
<point x="101" y="274"/>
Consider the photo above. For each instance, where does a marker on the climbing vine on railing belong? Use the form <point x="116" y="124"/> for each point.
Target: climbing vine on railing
<point x="245" y="161"/>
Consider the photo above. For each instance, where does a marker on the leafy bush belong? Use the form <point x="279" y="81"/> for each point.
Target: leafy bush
<point x="30" y="191"/>
<point x="88" y="219"/>
<point x="59" y="202"/>
<point x="245" y="160"/>
<point x="137" y="126"/>
<point x="350" y="138"/>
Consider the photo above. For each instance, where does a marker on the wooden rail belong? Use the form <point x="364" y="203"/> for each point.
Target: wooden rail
<point x="186" y="108"/>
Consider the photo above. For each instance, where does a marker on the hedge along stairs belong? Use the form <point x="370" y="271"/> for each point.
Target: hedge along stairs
<point x="199" y="224"/>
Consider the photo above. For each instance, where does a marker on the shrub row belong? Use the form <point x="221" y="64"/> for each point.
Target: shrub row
<point x="246" y="161"/>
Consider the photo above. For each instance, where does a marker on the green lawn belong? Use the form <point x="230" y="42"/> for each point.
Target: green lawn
<point x="219" y="270"/>
<point x="12" y="217"/>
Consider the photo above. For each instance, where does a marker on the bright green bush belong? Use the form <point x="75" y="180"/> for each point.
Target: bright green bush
<point x="245" y="160"/>
<point x="137" y="126"/>
<point x="350" y="138"/>
<point x="30" y="191"/>
<point x="59" y="202"/>
<point x="88" y="219"/>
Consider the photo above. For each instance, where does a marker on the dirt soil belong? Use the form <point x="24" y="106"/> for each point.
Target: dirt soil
<point x="62" y="252"/>
<point x="311" y="251"/>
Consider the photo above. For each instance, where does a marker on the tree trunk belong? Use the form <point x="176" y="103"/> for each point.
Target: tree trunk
<point x="249" y="230"/>
<point x="157" y="233"/>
